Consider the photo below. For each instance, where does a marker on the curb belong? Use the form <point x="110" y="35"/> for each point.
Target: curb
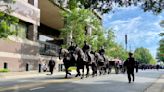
<point x="157" y="86"/>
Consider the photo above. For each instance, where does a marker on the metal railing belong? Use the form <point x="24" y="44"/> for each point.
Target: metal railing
<point x="48" y="49"/>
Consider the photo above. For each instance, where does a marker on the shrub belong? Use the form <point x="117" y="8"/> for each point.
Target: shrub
<point x="4" y="70"/>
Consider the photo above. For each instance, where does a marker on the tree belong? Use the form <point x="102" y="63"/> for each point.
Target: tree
<point x="76" y="21"/>
<point x="162" y="25"/>
<point x="104" y="6"/>
<point x="143" y="55"/>
<point x="160" y="50"/>
<point x="6" y="20"/>
<point x="114" y="49"/>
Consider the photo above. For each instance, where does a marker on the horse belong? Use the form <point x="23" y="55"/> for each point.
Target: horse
<point x="100" y="62"/>
<point x="69" y="59"/>
<point x="83" y="60"/>
<point x="107" y="67"/>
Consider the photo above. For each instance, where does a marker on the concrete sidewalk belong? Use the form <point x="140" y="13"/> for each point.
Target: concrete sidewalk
<point x="29" y="74"/>
<point x="157" y="86"/>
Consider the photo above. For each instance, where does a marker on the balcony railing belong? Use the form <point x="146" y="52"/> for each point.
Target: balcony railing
<point x="48" y="49"/>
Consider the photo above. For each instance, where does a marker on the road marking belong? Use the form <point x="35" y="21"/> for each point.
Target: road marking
<point x="39" y="84"/>
<point x="36" y="88"/>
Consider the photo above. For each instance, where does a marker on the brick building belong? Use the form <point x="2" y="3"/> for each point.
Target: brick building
<point x="37" y="34"/>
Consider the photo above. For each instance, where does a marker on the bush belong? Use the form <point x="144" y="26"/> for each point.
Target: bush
<point x="4" y="70"/>
<point x="71" y="68"/>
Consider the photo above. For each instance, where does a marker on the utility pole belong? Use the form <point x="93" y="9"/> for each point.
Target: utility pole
<point x="126" y="41"/>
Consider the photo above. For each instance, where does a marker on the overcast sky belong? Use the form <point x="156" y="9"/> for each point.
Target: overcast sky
<point x="142" y="28"/>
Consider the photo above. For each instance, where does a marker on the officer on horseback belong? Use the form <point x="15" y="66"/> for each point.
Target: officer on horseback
<point x="102" y="52"/>
<point x="86" y="49"/>
<point x="71" y="48"/>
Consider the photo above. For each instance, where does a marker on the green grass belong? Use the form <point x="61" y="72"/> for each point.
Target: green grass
<point x="4" y="70"/>
<point x="71" y="68"/>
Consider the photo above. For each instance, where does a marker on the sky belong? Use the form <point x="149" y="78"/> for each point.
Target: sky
<point x="142" y="28"/>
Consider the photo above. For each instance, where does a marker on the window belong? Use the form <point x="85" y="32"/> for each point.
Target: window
<point x="21" y="30"/>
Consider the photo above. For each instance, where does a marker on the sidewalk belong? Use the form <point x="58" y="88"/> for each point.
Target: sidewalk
<point x="157" y="86"/>
<point x="29" y="74"/>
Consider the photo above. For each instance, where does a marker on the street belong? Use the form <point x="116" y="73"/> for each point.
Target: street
<point x="105" y="83"/>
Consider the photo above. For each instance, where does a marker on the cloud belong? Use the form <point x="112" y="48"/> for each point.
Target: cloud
<point x="142" y="28"/>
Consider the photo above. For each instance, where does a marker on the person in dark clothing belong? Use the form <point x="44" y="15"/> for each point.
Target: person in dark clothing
<point x="130" y="64"/>
<point x="51" y="65"/>
<point x="136" y="66"/>
<point x="86" y="48"/>
<point x="71" y="48"/>
<point x="102" y="52"/>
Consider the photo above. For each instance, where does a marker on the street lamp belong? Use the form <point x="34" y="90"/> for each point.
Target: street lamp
<point x="126" y="41"/>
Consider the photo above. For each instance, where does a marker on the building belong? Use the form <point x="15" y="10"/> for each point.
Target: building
<point x="37" y="38"/>
<point x="36" y="31"/>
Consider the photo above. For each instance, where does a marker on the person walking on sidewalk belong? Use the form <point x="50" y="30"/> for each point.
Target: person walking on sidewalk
<point x="51" y="65"/>
<point x="130" y="64"/>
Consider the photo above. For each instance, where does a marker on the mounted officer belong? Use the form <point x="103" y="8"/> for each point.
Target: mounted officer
<point x="71" y="48"/>
<point x="86" y="49"/>
<point x="102" y="52"/>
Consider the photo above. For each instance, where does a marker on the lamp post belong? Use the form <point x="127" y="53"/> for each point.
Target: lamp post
<point x="126" y="41"/>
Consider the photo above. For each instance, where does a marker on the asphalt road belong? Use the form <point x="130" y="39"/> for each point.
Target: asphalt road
<point x="105" y="83"/>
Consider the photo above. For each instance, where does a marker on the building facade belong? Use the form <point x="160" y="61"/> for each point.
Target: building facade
<point x="36" y="37"/>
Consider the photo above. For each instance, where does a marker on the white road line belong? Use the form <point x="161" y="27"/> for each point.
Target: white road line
<point x="36" y="88"/>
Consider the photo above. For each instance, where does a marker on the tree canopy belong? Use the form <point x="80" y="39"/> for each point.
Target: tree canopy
<point x="160" y="50"/>
<point x="162" y="25"/>
<point x="104" y="6"/>
<point x="143" y="55"/>
<point x="6" y="20"/>
<point x="76" y="21"/>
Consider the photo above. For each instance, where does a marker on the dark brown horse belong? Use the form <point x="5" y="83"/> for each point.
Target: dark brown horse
<point x="69" y="60"/>
<point x="102" y="64"/>
<point x="83" y="61"/>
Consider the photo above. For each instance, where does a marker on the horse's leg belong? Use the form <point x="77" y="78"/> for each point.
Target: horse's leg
<point x="105" y="69"/>
<point x="78" y="71"/>
<point x="82" y="72"/>
<point x="66" y="71"/>
<point x="109" y="69"/>
<point x="100" y="69"/>
<point x="94" y="71"/>
<point x="87" y="66"/>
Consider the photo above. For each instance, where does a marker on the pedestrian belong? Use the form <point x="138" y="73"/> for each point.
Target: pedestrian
<point x="136" y="66"/>
<point x="44" y="67"/>
<point x="51" y="65"/>
<point x="130" y="64"/>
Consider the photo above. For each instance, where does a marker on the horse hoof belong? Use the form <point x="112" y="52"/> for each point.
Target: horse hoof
<point x="77" y="75"/>
<point x="87" y="76"/>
